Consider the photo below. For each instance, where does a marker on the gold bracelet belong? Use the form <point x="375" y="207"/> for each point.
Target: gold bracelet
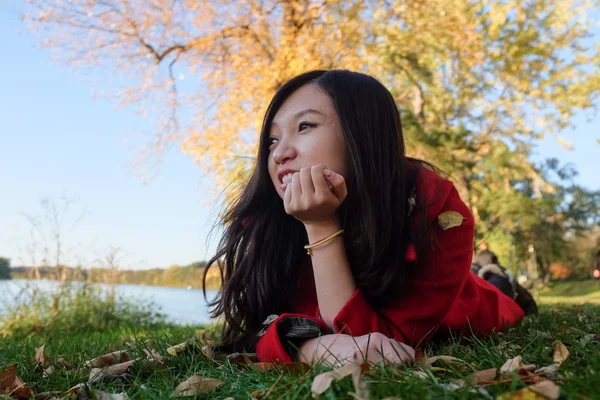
<point x="309" y="247"/>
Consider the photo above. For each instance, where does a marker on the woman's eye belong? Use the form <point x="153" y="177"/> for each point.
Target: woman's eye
<point x="271" y="141"/>
<point x="305" y="125"/>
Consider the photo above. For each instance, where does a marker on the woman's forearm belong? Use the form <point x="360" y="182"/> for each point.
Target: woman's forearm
<point x="333" y="276"/>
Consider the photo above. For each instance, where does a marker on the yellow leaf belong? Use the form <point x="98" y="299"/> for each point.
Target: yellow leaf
<point x="450" y="219"/>
<point x="561" y="353"/>
<point x="540" y="391"/>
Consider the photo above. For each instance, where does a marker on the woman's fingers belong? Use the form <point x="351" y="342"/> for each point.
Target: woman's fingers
<point x="308" y="188"/>
<point x="338" y="184"/>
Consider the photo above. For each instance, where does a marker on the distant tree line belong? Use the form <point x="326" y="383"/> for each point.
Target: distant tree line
<point x="174" y="276"/>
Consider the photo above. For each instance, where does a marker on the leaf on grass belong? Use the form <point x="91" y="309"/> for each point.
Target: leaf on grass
<point x="515" y="365"/>
<point x="298" y="368"/>
<point x="196" y="385"/>
<point x="358" y="380"/>
<point x="546" y="388"/>
<point x="561" y="353"/>
<point x="40" y="357"/>
<point x="420" y="356"/>
<point x="208" y="351"/>
<point x="243" y="358"/>
<point x="48" y="396"/>
<point x="111" y="358"/>
<point x="112" y="372"/>
<point x="189" y="344"/>
<point x="100" y="395"/>
<point x="11" y="384"/>
<point x="420" y="374"/>
<point x="540" y="391"/>
<point x="482" y="377"/>
<point x="550" y="371"/>
<point x="81" y="391"/>
<point x="263" y="366"/>
<point x="323" y="381"/>
<point x="154" y="356"/>
<point x="447" y="359"/>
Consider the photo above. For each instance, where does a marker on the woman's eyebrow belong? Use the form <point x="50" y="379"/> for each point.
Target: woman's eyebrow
<point x="302" y="113"/>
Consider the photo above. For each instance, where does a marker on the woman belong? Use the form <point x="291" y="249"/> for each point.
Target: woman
<point x="340" y="246"/>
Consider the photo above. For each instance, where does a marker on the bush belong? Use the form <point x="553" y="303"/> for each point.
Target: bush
<point x="559" y="271"/>
<point x="74" y="307"/>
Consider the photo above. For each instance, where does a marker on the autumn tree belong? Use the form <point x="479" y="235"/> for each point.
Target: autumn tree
<point x="478" y="83"/>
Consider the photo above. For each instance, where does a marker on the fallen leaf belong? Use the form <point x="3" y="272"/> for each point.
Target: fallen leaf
<point x="243" y="358"/>
<point x="450" y="219"/>
<point x="154" y="356"/>
<point x="189" y="344"/>
<point x="482" y="377"/>
<point x="547" y="388"/>
<point x="114" y="357"/>
<point x="209" y="351"/>
<point x="420" y="374"/>
<point x="540" y="391"/>
<point x="195" y="385"/>
<point x="323" y="381"/>
<point x="515" y="365"/>
<point x="81" y="391"/>
<point x="99" y="395"/>
<point x="550" y="371"/>
<point x="561" y="353"/>
<point x="263" y="366"/>
<point x="358" y="380"/>
<point x="297" y="367"/>
<point x="446" y="359"/>
<point x="112" y="372"/>
<point x="11" y="384"/>
<point x="40" y="357"/>
<point x="47" y="395"/>
<point x="420" y="356"/>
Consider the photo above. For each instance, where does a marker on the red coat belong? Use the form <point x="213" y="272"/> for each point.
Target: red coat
<point x="443" y="297"/>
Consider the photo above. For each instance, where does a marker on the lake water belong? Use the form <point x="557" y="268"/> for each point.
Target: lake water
<point x="181" y="306"/>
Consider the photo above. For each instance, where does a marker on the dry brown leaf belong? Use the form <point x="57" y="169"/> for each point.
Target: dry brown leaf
<point x="420" y="356"/>
<point x="111" y="372"/>
<point x="550" y="371"/>
<point x="81" y="391"/>
<point x="561" y="353"/>
<point x="515" y="365"/>
<point x="40" y="357"/>
<point x="360" y="386"/>
<point x="195" y="385"/>
<point x="48" y="396"/>
<point x="323" y="381"/>
<point x="154" y="356"/>
<point x="263" y="366"/>
<point x="99" y="395"/>
<point x="11" y="384"/>
<point x="114" y="357"/>
<point x="446" y="359"/>
<point x="482" y="377"/>
<point x="243" y="358"/>
<point x="297" y="367"/>
<point x="420" y="374"/>
<point x="208" y="351"/>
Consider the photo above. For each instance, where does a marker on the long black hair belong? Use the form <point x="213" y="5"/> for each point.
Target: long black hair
<point x="262" y="246"/>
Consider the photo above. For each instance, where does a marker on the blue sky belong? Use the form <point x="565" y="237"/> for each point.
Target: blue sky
<point x="56" y="139"/>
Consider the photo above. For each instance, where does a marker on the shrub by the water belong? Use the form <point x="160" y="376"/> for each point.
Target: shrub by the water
<point x="75" y="307"/>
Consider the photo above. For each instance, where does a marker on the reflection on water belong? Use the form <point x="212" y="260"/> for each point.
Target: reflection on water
<point x="181" y="306"/>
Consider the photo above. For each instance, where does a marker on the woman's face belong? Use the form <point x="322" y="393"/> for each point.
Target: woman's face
<point x="305" y="131"/>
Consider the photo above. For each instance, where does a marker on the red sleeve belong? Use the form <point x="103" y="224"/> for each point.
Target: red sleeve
<point x="443" y="294"/>
<point x="270" y="348"/>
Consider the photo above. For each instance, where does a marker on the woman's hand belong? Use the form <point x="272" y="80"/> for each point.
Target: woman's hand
<point x="339" y="349"/>
<point x="314" y="195"/>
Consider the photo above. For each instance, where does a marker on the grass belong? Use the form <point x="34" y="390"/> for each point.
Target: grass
<point x="532" y="339"/>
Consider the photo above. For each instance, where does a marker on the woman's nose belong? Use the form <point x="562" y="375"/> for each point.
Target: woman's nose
<point x="283" y="152"/>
